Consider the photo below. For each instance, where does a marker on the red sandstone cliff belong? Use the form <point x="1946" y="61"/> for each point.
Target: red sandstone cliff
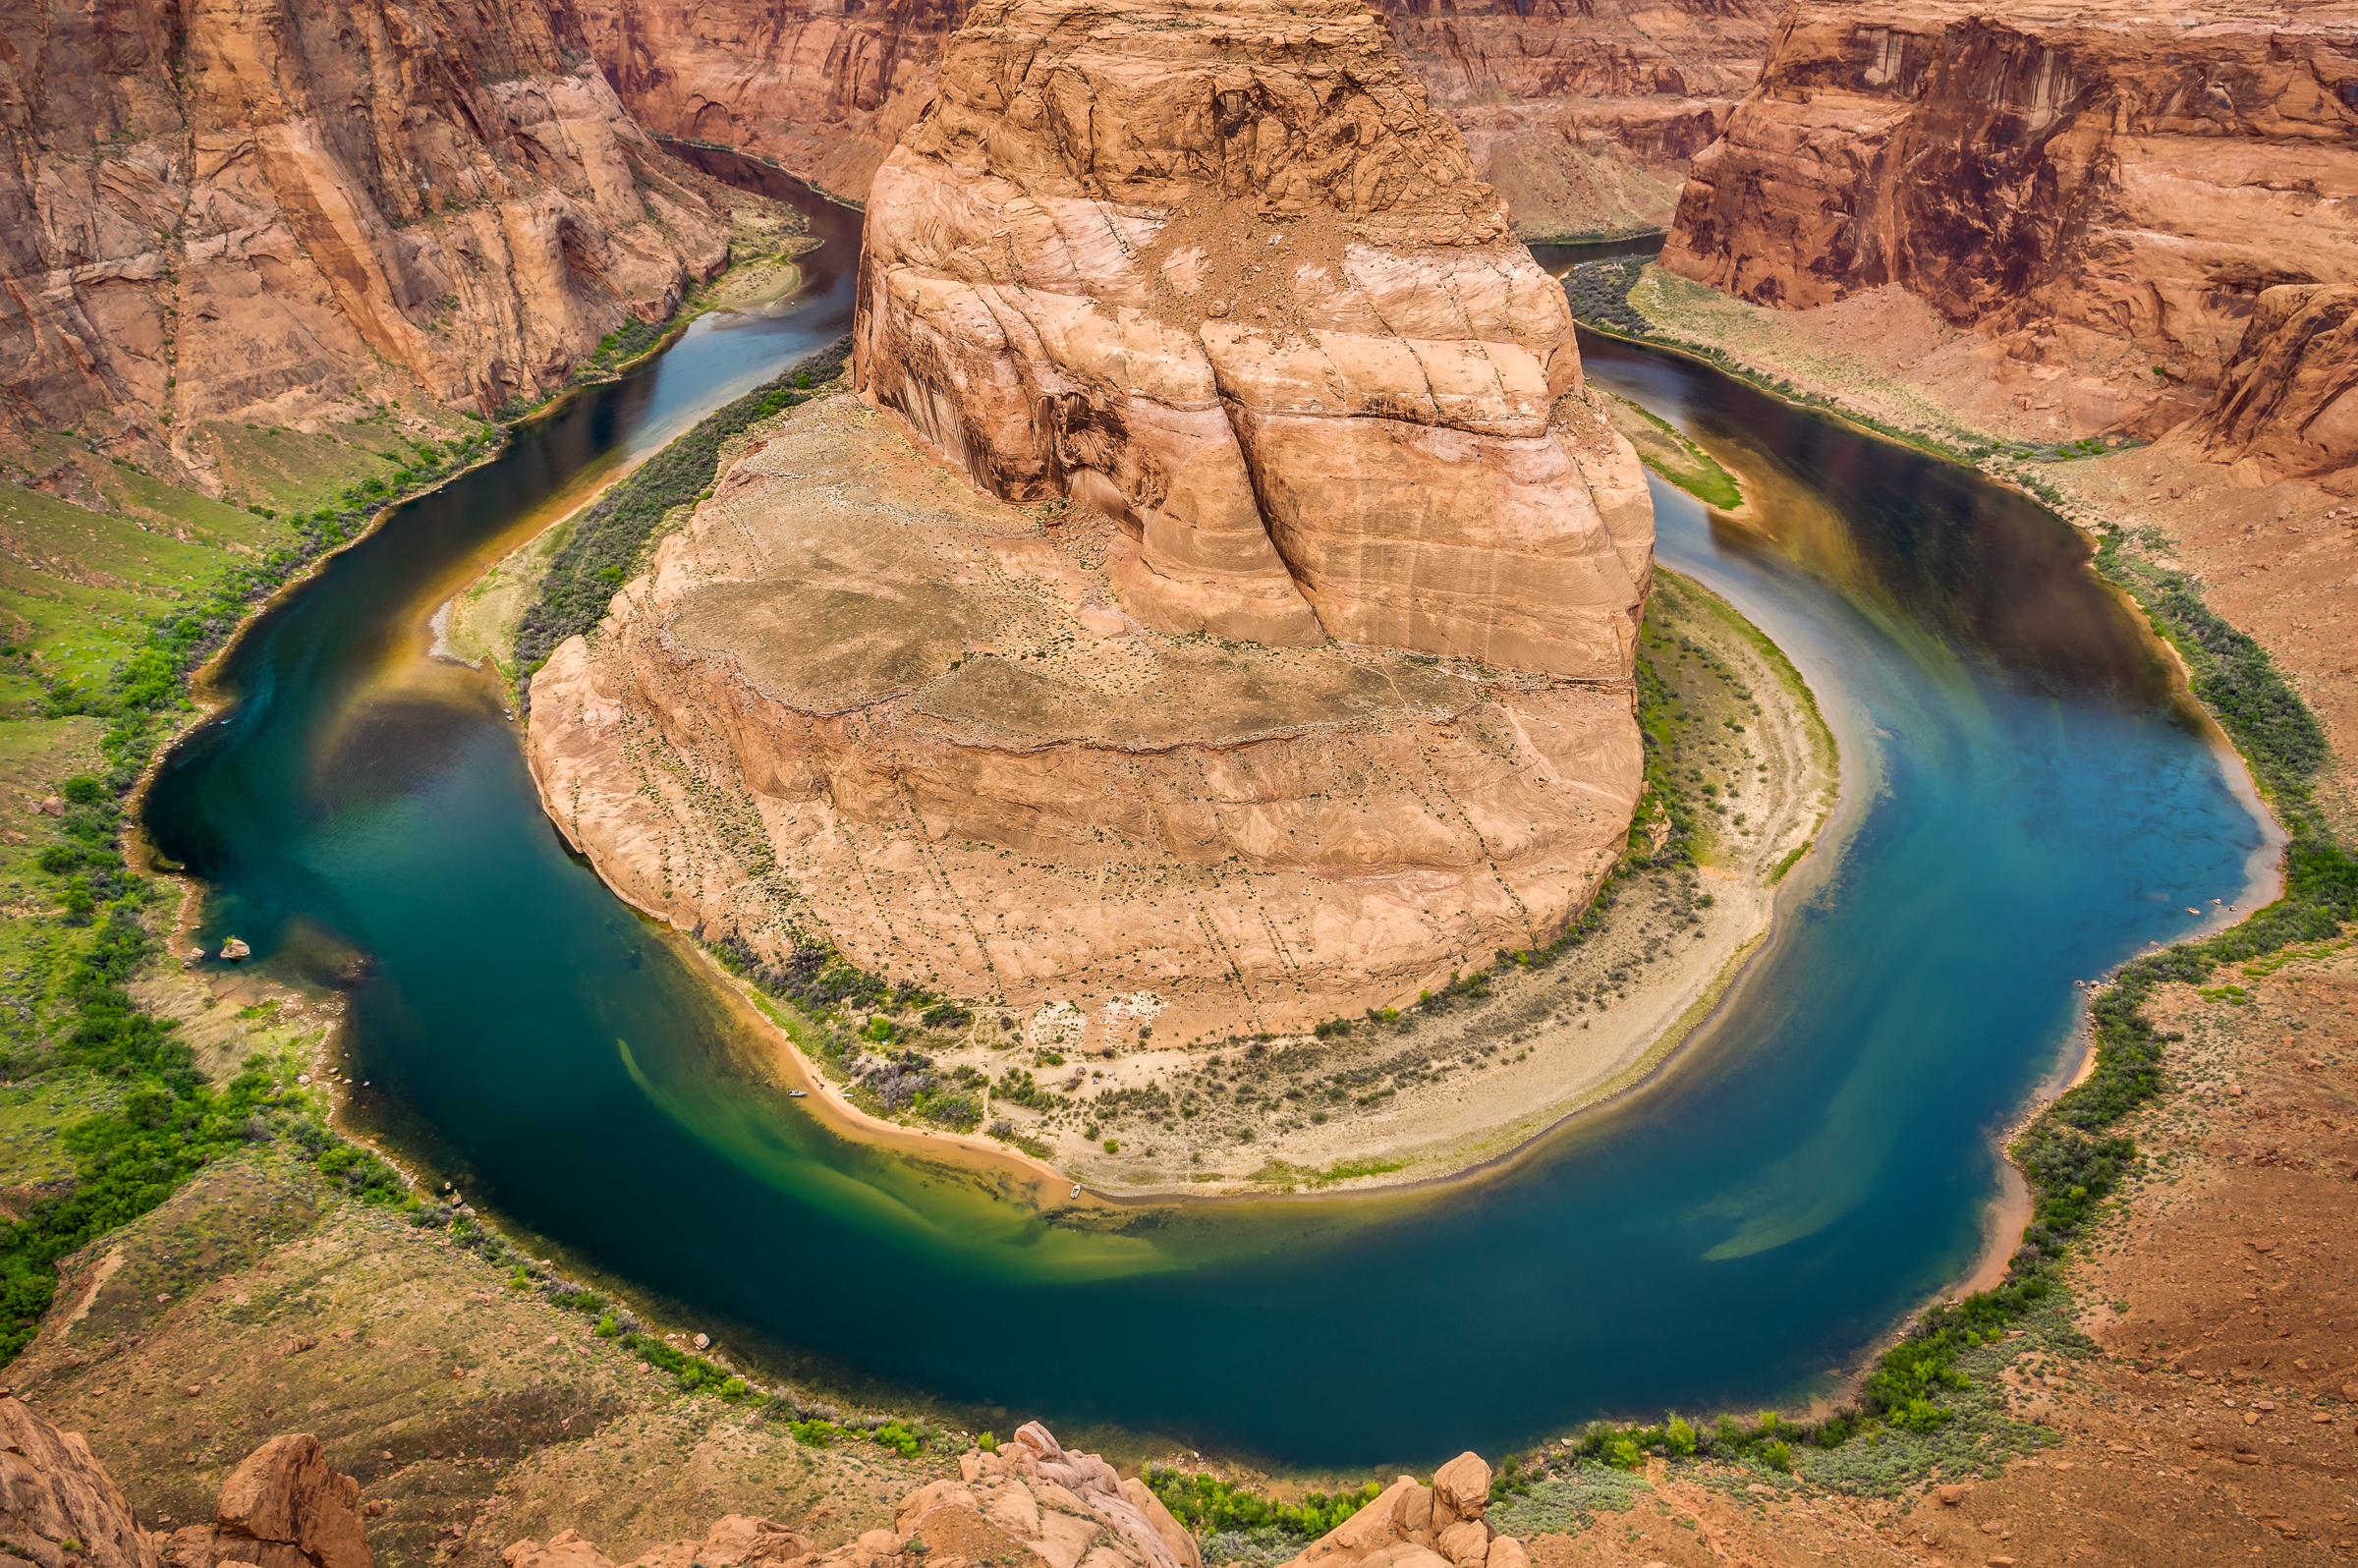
<point x="1582" y="115"/>
<point x="237" y="209"/>
<point x="2100" y="191"/>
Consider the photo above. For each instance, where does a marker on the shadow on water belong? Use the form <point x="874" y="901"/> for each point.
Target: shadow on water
<point x="1561" y="259"/>
<point x="2025" y="813"/>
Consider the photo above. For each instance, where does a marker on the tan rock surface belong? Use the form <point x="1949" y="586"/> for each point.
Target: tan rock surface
<point x="58" y="1505"/>
<point x="226" y="212"/>
<point x="2102" y="192"/>
<point x="1221" y="275"/>
<point x="853" y="697"/>
<point x="285" y="1506"/>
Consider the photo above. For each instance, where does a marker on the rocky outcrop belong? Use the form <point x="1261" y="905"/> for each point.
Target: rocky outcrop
<point x="822" y="89"/>
<point x="1217" y="293"/>
<point x="232" y="209"/>
<point x="1414" y="1526"/>
<point x="853" y="698"/>
<point x="2106" y="193"/>
<point x="1582" y="115"/>
<point x="284" y="1507"/>
<point x="2287" y="406"/>
<point x="59" y="1508"/>
<point x="1035" y="1504"/>
<point x="1221" y="275"/>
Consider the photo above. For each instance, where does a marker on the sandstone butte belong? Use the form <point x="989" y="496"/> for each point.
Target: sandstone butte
<point x="1227" y="621"/>
<point x="226" y="210"/>
<point x="2151" y="218"/>
<point x="1583" y="116"/>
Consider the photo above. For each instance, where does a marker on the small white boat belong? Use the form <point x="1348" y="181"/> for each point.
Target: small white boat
<point x="1076" y="1192"/>
<point x="798" y="1094"/>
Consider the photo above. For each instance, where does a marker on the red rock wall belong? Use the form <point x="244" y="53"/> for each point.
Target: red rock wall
<point x="2102" y="192"/>
<point x="246" y="208"/>
<point x="1584" y="115"/>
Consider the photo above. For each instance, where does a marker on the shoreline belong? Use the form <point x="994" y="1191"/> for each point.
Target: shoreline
<point x="2009" y="1210"/>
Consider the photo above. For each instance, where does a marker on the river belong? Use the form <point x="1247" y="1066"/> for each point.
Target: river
<point x="2024" y="807"/>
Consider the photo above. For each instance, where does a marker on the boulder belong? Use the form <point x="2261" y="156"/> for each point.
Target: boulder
<point x="1465" y="1543"/>
<point x="53" y="1492"/>
<point x="1464" y="1484"/>
<point x="235" y="949"/>
<point x="286" y="1507"/>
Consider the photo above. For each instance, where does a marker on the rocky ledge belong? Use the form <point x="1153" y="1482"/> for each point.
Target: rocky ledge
<point x="2105" y="192"/>
<point x="1230" y="620"/>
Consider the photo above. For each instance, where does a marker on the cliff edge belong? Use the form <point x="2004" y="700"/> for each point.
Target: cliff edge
<point x="2105" y="195"/>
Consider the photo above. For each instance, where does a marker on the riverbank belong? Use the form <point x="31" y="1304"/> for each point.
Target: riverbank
<point x="1885" y="361"/>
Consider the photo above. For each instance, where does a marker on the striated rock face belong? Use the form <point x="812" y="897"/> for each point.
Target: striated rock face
<point x="2288" y="402"/>
<point x="1582" y="115"/>
<point x="823" y="90"/>
<point x="2104" y="192"/>
<point x="857" y="699"/>
<point x="284" y="1507"/>
<point x="231" y="209"/>
<point x="1221" y="274"/>
<point x="58" y="1505"/>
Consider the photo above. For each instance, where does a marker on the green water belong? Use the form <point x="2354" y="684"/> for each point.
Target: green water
<point x="2025" y="810"/>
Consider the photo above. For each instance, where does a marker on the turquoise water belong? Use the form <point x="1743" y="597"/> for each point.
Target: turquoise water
<point x="2026" y="809"/>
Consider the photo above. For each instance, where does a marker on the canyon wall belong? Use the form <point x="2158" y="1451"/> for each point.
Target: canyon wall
<point x="2105" y="194"/>
<point x="1223" y="608"/>
<point x="249" y="209"/>
<point x="1582" y="115"/>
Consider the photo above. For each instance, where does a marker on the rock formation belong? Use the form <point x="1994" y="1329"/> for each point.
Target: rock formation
<point x="284" y="1507"/>
<point x="1582" y="115"/>
<point x="1219" y="277"/>
<point x="224" y="211"/>
<point x="58" y="1505"/>
<point x="2106" y="193"/>
<point x="2287" y="405"/>
<point x="1414" y="1526"/>
<point x="1035" y="1504"/>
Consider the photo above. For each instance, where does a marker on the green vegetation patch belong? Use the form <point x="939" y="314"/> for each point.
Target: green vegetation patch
<point x="1667" y="450"/>
<point x="608" y="541"/>
<point x="1569" y="1500"/>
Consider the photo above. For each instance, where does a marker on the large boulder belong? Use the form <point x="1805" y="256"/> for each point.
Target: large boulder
<point x="58" y="1505"/>
<point x="284" y="1507"/>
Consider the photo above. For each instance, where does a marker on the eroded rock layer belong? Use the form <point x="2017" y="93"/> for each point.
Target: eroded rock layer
<point x="1582" y="115"/>
<point x="249" y="211"/>
<point x="857" y="699"/>
<point x="2106" y="191"/>
<point x="1220" y="273"/>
